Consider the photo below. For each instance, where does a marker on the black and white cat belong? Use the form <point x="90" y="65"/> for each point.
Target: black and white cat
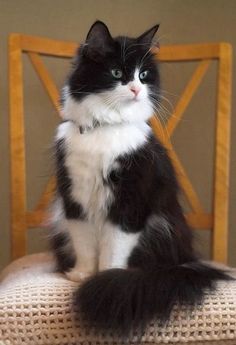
<point x="117" y="220"/>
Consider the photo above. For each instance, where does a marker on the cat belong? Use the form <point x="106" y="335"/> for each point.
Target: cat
<point x="116" y="221"/>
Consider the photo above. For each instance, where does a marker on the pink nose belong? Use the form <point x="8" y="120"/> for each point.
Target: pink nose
<point x="135" y="90"/>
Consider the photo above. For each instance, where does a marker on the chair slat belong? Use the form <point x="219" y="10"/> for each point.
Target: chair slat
<point x="17" y="149"/>
<point x="45" y="78"/>
<point x="187" y="95"/>
<point x="188" y="52"/>
<point x="221" y="194"/>
<point x="200" y="221"/>
<point x="48" y="46"/>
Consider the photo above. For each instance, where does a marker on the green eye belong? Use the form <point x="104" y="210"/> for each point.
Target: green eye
<point x="117" y="73"/>
<point x="143" y="75"/>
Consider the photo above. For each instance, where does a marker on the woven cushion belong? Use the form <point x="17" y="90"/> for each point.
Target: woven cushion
<point x="35" y="308"/>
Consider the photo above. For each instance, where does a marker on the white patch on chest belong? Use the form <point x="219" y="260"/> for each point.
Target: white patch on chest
<point x="91" y="156"/>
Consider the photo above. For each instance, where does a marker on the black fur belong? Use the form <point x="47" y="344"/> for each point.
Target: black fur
<point x="91" y="72"/>
<point x="144" y="185"/>
<point x="163" y="269"/>
<point x="61" y="246"/>
<point x="127" y="300"/>
<point x="72" y="209"/>
<point x="60" y="243"/>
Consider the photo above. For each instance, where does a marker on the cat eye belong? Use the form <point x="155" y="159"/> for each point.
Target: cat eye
<point x="143" y="75"/>
<point x="117" y="73"/>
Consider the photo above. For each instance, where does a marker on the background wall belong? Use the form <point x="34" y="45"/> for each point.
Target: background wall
<point x="182" y="21"/>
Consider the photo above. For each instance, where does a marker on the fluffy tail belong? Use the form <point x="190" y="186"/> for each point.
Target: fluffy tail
<point x="122" y="300"/>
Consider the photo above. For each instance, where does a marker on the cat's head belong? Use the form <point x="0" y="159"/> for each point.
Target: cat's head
<point x="114" y="80"/>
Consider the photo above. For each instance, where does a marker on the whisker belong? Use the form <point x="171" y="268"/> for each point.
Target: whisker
<point x="166" y="100"/>
<point x="80" y="92"/>
<point x="164" y="130"/>
<point x="170" y="112"/>
<point x="144" y="57"/>
<point x="169" y="93"/>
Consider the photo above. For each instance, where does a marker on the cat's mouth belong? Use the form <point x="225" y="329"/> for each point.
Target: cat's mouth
<point x="134" y="99"/>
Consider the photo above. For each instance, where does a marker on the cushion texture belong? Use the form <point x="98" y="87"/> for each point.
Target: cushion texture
<point x="36" y="309"/>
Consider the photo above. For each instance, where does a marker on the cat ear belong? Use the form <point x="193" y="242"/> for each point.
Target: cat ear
<point x="99" y="40"/>
<point x="147" y="37"/>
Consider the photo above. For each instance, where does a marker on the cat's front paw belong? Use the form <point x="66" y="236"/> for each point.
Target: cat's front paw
<point x="76" y="275"/>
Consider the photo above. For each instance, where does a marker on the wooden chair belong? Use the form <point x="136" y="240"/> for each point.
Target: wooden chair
<point x="217" y="220"/>
<point x="40" y="297"/>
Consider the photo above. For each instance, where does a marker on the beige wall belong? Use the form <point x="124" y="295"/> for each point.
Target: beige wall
<point x="182" y="21"/>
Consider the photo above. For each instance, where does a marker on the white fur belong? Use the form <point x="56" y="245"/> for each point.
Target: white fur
<point x="113" y="106"/>
<point x="115" y="247"/>
<point x="84" y="238"/>
<point x="89" y="158"/>
<point x="98" y="248"/>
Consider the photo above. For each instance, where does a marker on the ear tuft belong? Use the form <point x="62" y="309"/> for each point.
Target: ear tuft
<point x="147" y="36"/>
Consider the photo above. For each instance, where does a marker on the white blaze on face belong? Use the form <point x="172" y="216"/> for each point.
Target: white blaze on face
<point x="137" y="89"/>
<point x="129" y="101"/>
<point x="125" y="103"/>
<point x="133" y="91"/>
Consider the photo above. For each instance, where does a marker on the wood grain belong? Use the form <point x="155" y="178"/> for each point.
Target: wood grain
<point x="222" y="155"/>
<point x="187" y="52"/>
<point x="47" y="46"/>
<point x="17" y="150"/>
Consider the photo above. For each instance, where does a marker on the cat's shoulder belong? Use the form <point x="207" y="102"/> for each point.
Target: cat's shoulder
<point x="154" y="145"/>
<point x="64" y="129"/>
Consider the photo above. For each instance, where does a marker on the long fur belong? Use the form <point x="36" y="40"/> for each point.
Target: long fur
<point x="117" y="209"/>
<point x="127" y="300"/>
<point x="162" y="272"/>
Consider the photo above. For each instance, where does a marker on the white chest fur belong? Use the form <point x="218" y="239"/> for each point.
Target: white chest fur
<point x="91" y="156"/>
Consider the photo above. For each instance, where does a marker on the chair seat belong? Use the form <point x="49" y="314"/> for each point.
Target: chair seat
<point x="36" y="308"/>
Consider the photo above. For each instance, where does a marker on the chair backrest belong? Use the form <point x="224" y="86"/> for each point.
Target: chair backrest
<point x="217" y="220"/>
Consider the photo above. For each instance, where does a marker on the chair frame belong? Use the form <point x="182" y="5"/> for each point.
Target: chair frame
<point x="217" y="220"/>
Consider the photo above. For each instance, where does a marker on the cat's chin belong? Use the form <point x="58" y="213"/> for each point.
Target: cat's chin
<point x="92" y="108"/>
<point x="135" y="100"/>
<point x="137" y="110"/>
